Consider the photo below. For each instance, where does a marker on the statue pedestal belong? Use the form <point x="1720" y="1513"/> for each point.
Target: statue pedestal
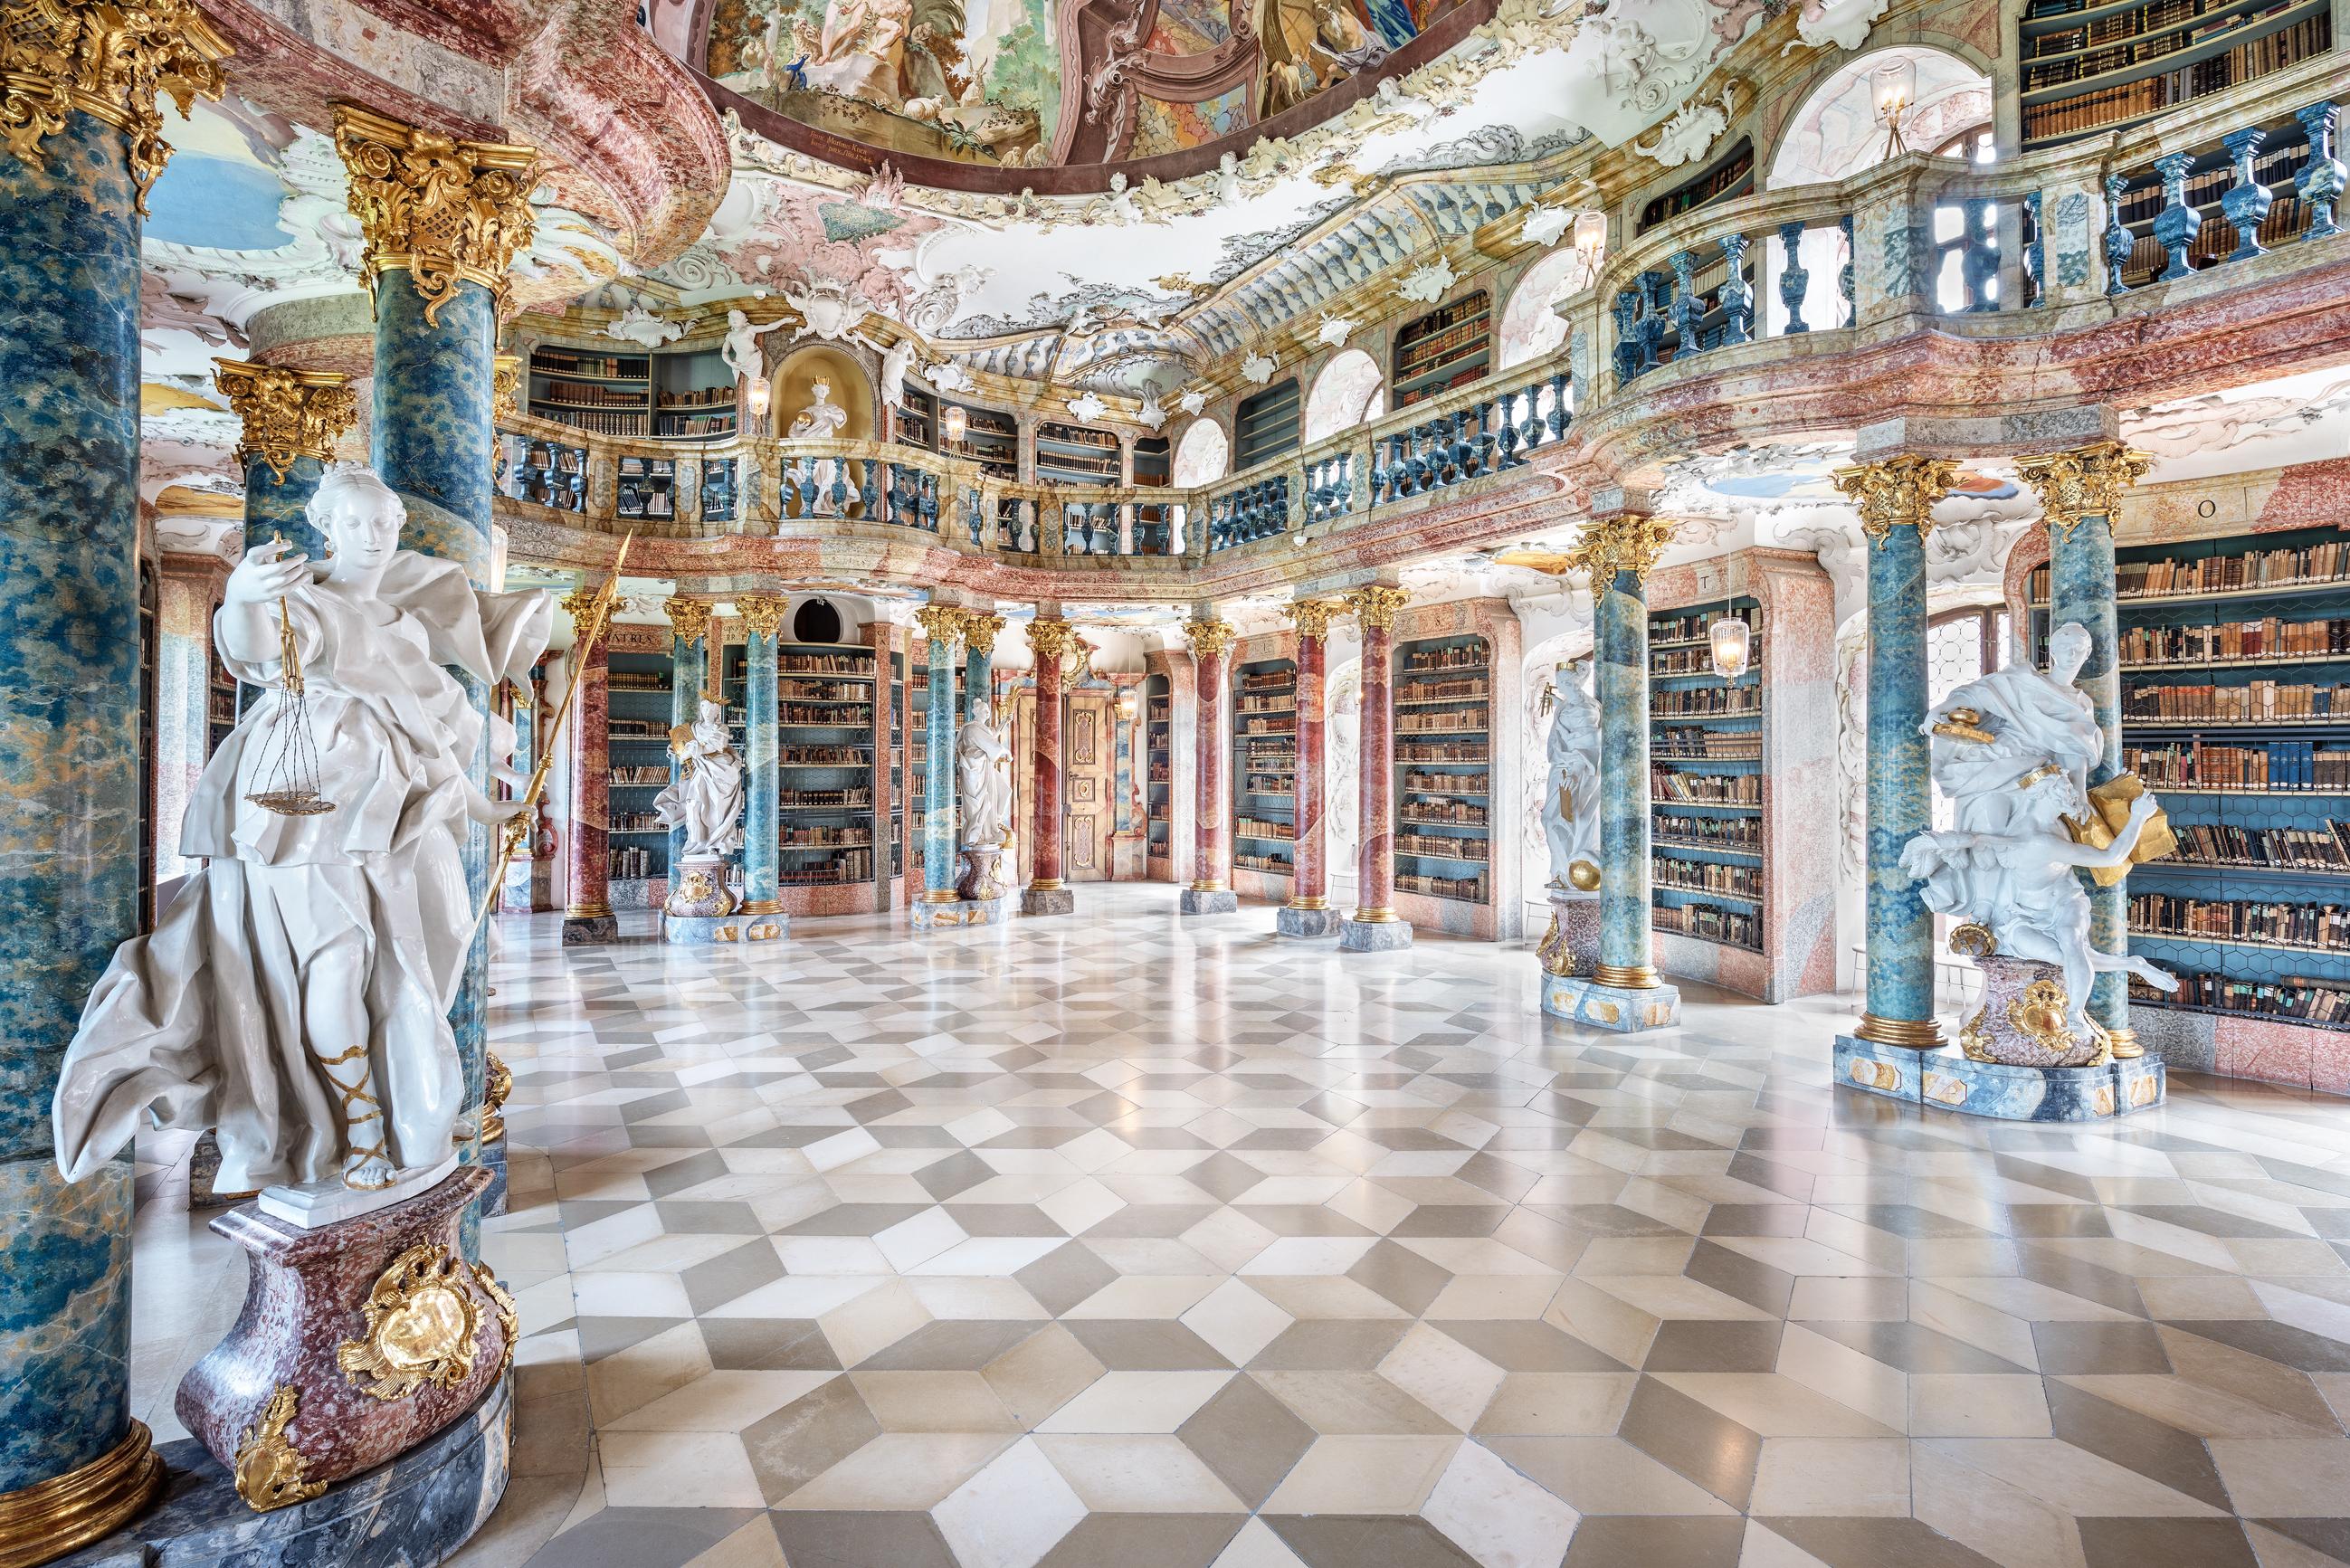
<point x="1373" y="936"/>
<point x="1289" y="920"/>
<point x="943" y="916"/>
<point x="1571" y="946"/>
<point x="715" y="930"/>
<point x="1945" y="1079"/>
<point x="2021" y="1022"/>
<point x="316" y="1203"/>
<point x="980" y="878"/>
<point x="590" y="930"/>
<point x="360" y="1340"/>
<point x="1622" y="1008"/>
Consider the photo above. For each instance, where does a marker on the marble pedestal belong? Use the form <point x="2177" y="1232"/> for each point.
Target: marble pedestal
<point x="1205" y="902"/>
<point x="979" y="877"/>
<point x="1373" y="936"/>
<point x="1048" y="902"/>
<point x="1289" y="920"/>
<point x="1571" y="946"/>
<point x="930" y="917"/>
<point x="590" y="930"/>
<point x="1620" y="1008"/>
<point x="716" y="930"/>
<point x="358" y="1341"/>
<point x="1947" y="1079"/>
<point x="413" y="1513"/>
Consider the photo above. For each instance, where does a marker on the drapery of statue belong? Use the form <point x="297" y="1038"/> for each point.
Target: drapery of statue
<point x="983" y="786"/>
<point x="1570" y="812"/>
<point x="2014" y="751"/>
<point x="294" y="996"/>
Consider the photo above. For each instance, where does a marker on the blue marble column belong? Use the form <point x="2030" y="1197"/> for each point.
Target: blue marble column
<point x="1896" y="498"/>
<point x="1626" y="946"/>
<point x="761" y="753"/>
<point x="941" y="624"/>
<point x="70" y="199"/>
<point x="689" y="622"/>
<point x="437" y="284"/>
<point x="2080" y="491"/>
<point x="978" y="632"/>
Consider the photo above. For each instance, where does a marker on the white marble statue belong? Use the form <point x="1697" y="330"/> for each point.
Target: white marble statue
<point x="895" y="363"/>
<point x="822" y="420"/>
<point x="2013" y="750"/>
<point x="1342" y="791"/>
<point x="705" y="798"/>
<point x="1571" y="805"/>
<point x="740" y="351"/>
<point x="296" y="998"/>
<point x="983" y="786"/>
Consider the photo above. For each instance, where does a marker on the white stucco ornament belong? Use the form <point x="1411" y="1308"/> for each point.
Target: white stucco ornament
<point x="1335" y="329"/>
<point x="1546" y="225"/>
<point x="949" y="377"/>
<point x="1258" y="368"/>
<point x="1088" y="407"/>
<point x="1824" y="21"/>
<point x="642" y="327"/>
<point x="1153" y="413"/>
<point x="1427" y="282"/>
<point x="1192" y="401"/>
<point x="1684" y="137"/>
<point x="828" y="308"/>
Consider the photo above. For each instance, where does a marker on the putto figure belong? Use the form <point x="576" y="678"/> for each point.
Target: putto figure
<point x="295" y="997"/>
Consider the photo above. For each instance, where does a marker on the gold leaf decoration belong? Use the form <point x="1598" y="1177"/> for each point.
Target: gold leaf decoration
<point x="420" y="1326"/>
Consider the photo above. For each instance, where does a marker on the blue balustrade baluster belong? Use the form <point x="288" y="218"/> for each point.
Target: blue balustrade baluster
<point x="2247" y="202"/>
<point x="1509" y="434"/>
<point x="1627" y="339"/>
<point x="1737" y="298"/>
<point x="1792" y="279"/>
<point x="2119" y="243"/>
<point x="1656" y="293"/>
<point x="2035" y="251"/>
<point x="2323" y="179"/>
<point x="2176" y="226"/>
<point x="1689" y="310"/>
<point x="869" y="491"/>
<point x="931" y="502"/>
<point x="1482" y="454"/>
<point x="1843" y="275"/>
<point x="1559" y="380"/>
<point x="1978" y="262"/>
<point x="976" y="519"/>
<point x="1530" y="435"/>
<point x="1380" y="449"/>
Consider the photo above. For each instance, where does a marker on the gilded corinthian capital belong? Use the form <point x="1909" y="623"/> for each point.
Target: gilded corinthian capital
<point x="1375" y="606"/>
<point x="2087" y="481"/>
<point x="762" y="614"/>
<point x="1051" y="639"/>
<point x="1208" y="638"/>
<point x="1898" y="492"/>
<point x="689" y="619"/>
<point x="286" y="414"/>
<point x="447" y="212"/>
<point x="1312" y="618"/>
<point x="1629" y="542"/>
<point x="942" y="623"/>
<point x="979" y="630"/>
<point x="580" y="604"/>
<point x="109" y="61"/>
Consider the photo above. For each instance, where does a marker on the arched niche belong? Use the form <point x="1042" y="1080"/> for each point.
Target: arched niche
<point x="1836" y="134"/>
<point x="792" y="389"/>
<point x="1530" y="327"/>
<point x="1348" y="393"/>
<point x="1203" y="456"/>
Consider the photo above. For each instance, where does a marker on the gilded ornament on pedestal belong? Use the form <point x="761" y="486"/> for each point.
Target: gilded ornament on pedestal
<point x="1898" y="492"/>
<point x="420" y="1326"/>
<point x="1375" y="606"/>
<point x="497" y="1083"/>
<point x="270" y="1469"/>
<point x="2085" y="482"/>
<point x="1973" y="940"/>
<point x="1210" y="638"/>
<point x="509" y="1320"/>
<point x="288" y="414"/>
<point x="1628" y="543"/>
<point x="447" y="212"/>
<point x="110" y="62"/>
<point x="1312" y="618"/>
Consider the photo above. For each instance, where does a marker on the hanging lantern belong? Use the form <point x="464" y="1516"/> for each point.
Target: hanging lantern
<point x="955" y="423"/>
<point x="1731" y="642"/>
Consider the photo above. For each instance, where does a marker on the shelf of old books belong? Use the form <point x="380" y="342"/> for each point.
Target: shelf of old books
<point x="1444" y="804"/>
<point x="2235" y="662"/>
<point x="2091" y="68"/>
<point x="1706" y="863"/>
<point x="1159" y="778"/>
<point x="1265" y="775"/>
<point x="636" y="753"/>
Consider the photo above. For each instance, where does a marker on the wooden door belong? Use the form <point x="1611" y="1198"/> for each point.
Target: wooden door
<point x="1088" y="777"/>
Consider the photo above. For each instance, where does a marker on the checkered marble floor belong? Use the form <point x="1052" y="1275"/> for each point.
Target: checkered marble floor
<point x="1126" y="1241"/>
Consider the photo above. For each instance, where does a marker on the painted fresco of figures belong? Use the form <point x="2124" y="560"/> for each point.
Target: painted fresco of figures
<point x="295" y="996"/>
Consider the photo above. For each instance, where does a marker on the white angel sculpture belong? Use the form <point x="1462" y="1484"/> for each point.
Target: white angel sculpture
<point x="705" y="798"/>
<point x="295" y="999"/>
<point x="983" y="785"/>
<point x="741" y="350"/>
<point x="2013" y="752"/>
<point x="1571" y="805"/>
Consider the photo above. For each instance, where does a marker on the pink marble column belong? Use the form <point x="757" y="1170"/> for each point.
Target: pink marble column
<point x="1375" y="926"/>
<point x="1210" y="891"/>
<point x="1308" y="913"/>
<point x="589" y="918"/>
<point x="1050" y="639"/>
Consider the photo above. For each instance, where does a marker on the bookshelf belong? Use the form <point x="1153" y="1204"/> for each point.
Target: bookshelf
<point x="2284" y="153"/>
<point x="637" y="750"/>
<point x="549" y="474"/>
<point x="221" y="699"/>
<point x="2089" y="67"/>
<point x="1266" y="425"/>
<point x="1447" y="347"/>
<point x="1264" y="776"/>
<point x="1159" y="777"/>
<point x="825" y="744"/>
<point x="2234" y="658"/>
<point x="693" y="396"/>
<point x="915" y="423"/>
<point x="1444" y="801"/>
<point x="1727" y="178"/>
<point x="991" y="440"/>
<point x="648" y="486"/>
<point x="1706" y="860"/>
<point x="603" y="394"/>
<point x="1076" y="455"/>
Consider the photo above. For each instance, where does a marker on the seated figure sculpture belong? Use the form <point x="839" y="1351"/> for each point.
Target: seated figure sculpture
<point x="295" y="996"/>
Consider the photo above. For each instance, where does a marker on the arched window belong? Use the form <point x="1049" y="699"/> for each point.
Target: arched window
<point x="1837" y="132"/>
<point x="1346" y="394"/>
<point x="1203" y="456"/>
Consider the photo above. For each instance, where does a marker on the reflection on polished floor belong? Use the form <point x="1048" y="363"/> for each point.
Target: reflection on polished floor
<point x="1156" y="1244"/>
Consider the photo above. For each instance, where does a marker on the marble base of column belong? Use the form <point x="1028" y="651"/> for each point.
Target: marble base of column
<point x="1307" y="923"/>
<point x="951" y="913"/>
<point x="1374" y="931"/>
<point x="1622" y="1008"/>
<point x="586" y="931"/>
<point x="1042" y="897"/>
<point x="720" y="930"/>
<point x="1945" y="1079"/>
<point x="1212" y="899"/>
